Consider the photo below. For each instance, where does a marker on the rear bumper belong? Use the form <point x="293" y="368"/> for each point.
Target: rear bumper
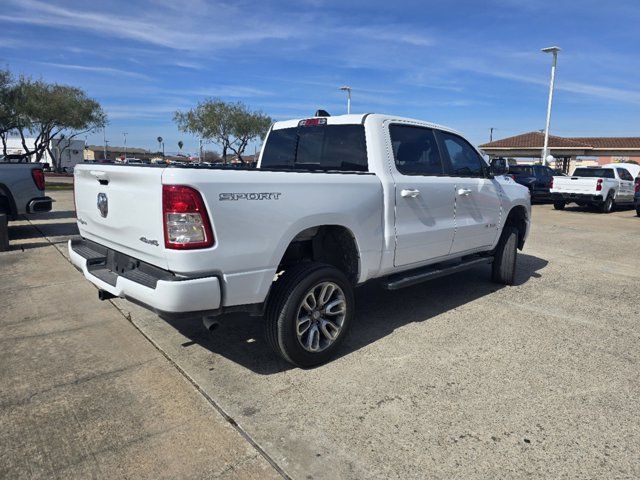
<point x="159" y="290"/>
<point x="39" y="205"/>
<point x="577" y="197"/>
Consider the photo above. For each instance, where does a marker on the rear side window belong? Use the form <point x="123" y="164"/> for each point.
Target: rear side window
<point x="321" y="147"/>
<point x="465" y="161"/>
<point x="415" y="150"/>
<point x="521" y="170"/>
<point x="594" y="172"/>
<point x="624" y="174"/>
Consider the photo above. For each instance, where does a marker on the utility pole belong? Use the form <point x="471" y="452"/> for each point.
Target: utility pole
<point x="491" y="134"/>
<point x="545" y="149"/>
<point x="201" y="159"/>
<point x="125" y="144"/>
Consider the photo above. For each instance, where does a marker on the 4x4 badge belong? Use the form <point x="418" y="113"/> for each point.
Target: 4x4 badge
<point x="103" y="204"/>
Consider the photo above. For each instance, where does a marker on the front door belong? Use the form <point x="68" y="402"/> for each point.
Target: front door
<point x="477" y="202"/>
<point x="424" y="196"/>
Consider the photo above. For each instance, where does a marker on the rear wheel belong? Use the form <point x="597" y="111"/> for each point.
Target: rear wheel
<point x="638" y="211"/>
<point x="4" y="232"/>
<point x="607" y="206"/>
<point x="309" y="312"/>
<point x="559" y="204"/>
<point x="505" y="258"/>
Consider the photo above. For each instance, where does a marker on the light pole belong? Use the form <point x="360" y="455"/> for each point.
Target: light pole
<point x="104" y="134"/>
<point x="545" y="149"/>
<point x="348" y="90"/>
<point x="124" y="134"/>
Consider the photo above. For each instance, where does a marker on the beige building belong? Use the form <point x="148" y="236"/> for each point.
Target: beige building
<point x="97" y="152"/>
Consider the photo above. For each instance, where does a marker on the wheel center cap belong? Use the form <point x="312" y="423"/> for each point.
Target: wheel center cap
<point x="315" y="315"/>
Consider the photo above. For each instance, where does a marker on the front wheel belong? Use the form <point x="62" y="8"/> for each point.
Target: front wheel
<point x="309" y="312"/>
<point x="506" y="257"/>
<point x="559" y="204"/>
<point x="638" y="211"/>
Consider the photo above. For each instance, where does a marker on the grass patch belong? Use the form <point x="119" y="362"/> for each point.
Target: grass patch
<point x="58" y="186"/>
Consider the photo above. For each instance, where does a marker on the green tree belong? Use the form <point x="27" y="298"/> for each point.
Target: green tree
<point x="230" y="125"/>
<point x="53" y="114"/>
<point x="180" y="145"/>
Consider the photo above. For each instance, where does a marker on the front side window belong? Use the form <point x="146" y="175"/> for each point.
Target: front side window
<point x="415" y="150"/>
<point x="318" y="147"/>
<point x="465" y="160"/>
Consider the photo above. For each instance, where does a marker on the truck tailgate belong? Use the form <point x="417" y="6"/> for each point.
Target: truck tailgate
<point x="120" y="207"/>
<point x="574" y="185"/>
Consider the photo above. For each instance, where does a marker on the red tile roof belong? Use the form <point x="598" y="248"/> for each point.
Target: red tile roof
<point x="536" y="140"/>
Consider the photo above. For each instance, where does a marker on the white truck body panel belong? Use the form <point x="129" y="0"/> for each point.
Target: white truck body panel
<point x="452" y="216"/>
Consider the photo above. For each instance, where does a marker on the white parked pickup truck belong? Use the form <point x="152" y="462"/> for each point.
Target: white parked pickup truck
<point x="603" y="187"/>
<point x="334" y="202"/>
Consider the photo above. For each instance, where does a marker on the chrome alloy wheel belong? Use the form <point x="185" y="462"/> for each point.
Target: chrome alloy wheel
<point x="320" y="316"/>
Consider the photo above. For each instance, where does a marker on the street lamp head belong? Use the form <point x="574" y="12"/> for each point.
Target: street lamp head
<point x="551" y="50"/>
<point x="345" y="88"/>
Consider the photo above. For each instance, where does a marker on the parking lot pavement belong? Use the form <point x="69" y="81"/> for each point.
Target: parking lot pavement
<point x="84" y="395"/>
<point x="454" y="378"/>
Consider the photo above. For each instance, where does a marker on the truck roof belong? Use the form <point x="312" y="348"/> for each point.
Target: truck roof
<point x="359" y="118"/>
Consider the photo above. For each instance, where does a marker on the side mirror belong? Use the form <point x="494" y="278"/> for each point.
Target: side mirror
<point x="498" y="166"/>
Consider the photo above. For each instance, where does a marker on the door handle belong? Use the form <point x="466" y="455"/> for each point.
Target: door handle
<point x="409" y="192"/>
<point x="464" y="192"/>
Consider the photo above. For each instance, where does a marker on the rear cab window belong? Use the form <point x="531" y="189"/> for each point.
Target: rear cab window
<point x="316" y="148"/>
<point x="594" y="172"/>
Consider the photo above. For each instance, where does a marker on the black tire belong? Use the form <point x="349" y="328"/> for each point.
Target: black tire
<point x="638" y="211"/>
<point x="4" y="232"/>
<point x="608" y="205"/>
<point x="506" y="257"/>
<point x="284" y="304"/>
<point x="559" y="204"/>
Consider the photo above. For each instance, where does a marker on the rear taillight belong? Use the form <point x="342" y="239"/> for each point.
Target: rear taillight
<point x="551" y="183"/>
<point x="599" y="185"/>
<point x="186" y="222"/>
<point x="38" y="178"/>
<point x="637" y="184"/>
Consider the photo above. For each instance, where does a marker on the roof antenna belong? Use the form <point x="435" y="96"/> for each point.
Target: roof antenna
<point x="322" y="113"/>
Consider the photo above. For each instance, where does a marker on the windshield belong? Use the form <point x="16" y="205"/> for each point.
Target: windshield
<point x="594" y="172"/>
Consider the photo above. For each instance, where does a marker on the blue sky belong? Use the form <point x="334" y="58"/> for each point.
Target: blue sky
<point x="466" y="64"/>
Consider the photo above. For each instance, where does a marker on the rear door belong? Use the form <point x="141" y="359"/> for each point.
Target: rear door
<point x="477" y="203"/>
<point x="120" y="207"/>
<point x="424" y="196"/>
<point x="626" y="185"/>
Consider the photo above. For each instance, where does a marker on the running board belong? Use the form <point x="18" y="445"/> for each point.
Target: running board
<point x="412" y="277"/>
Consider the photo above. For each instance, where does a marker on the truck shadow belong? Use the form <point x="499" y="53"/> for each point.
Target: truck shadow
<point x="240" y="338"/>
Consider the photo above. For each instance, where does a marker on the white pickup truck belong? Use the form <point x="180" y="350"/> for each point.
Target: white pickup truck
<point x="21" y="192"/>
<point x="334" y="202"/>
<point x="603" y="187"/>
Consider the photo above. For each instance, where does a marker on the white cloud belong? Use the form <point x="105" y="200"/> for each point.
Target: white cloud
<point x="105" y="70"/>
